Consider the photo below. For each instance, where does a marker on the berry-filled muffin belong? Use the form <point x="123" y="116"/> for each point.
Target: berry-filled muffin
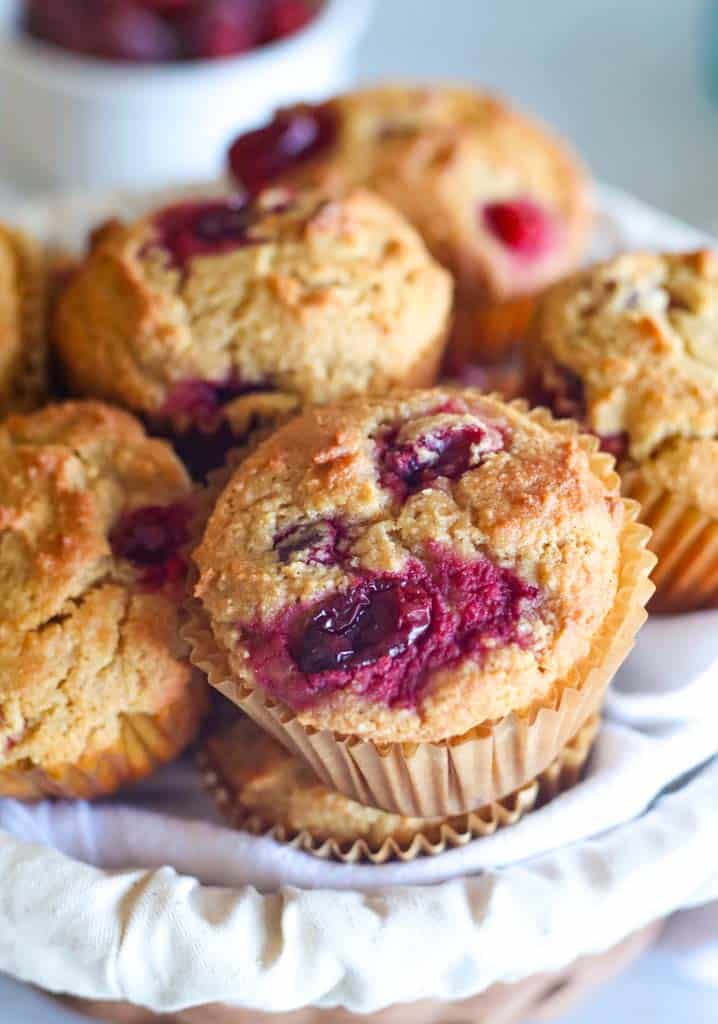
<point x="498" y="199"/>
<point x="261" y="788"/>
<point x="211" y="318"/>
<point x="23" y="322"/>
<point x="423" y="595"/>
<point x="629" y="348"/>
<point x="95" y="687"/>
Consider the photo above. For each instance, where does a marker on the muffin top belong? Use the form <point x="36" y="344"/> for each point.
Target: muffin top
<point x="92" y="518"/>
<point x="630" y="347"/>
<point x="498" y="199"/>
<point x="408" y="568"/>
<point x="22" y="323"/>
<point x="230" y="305"/>
<point x="277" y="789"/>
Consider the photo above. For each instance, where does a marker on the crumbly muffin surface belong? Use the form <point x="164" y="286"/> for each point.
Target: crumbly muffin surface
<point x="497" y="198"/>
<point x="289" y="299"/>
<point x="91" y="516"/>
<point x="408" y="568"/>
<point x="23" y="345"/>
<point x="632" y="346"/>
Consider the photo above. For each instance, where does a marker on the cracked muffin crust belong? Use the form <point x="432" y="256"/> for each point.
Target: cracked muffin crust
<point x="629" y="348"/>
<point x="209" y="317"/>
<point x="23" y="326"/>
<point x="408" y="568"/>
<point x="498" y="199"/>
<point x="93" y="516"/>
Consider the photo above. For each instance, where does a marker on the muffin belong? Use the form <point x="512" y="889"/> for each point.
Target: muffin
<point x="95" y="687"/>
<point x="260" y="788"/>
<point x="211" y="318"/>
<point x="629" y="348"/>
<point x="23" y="341"/>
<point x="498" y="199"/>
<point x="423" y="595"/>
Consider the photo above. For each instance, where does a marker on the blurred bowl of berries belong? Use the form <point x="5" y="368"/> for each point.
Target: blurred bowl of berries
<point x="146" y="92"/>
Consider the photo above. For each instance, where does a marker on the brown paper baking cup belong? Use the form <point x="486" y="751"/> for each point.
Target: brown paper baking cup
<point x="482" y="766"/>
<point x="415" y="837"/>
<point x="31" y="386"/>
<point x="144" y="744"/>
<point x="685" y="541"/>
<point x="486" y="332"/>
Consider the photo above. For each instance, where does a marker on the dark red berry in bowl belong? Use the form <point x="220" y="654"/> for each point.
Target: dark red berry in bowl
<point x="294" y="136"/>
<point x="287" y="17"/>
<point x="524" y="227"/>
<point x="150" y="539"/>
<point x="124" y="32"/>
<point x="187" y="230"/>
<point x="219" y="28"/>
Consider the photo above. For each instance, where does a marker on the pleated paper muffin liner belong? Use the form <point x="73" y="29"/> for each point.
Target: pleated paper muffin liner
<point x="414" y="837"/>
<point x="486" y="332"/>
<point x="145" y="742"/>
<point x="31" y="385"/>
<point x="482" y="766"/>
<point x="685" y="541"/>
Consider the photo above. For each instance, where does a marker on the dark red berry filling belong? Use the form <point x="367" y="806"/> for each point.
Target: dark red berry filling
<point x="209" y="228"/>
<point x="386" y="634"/>
<point x="562" y="391"/>
<point x="319" y="543"/>
<point x="151" y="539"/>
<point x="528" y="230"/>
<point x="207" y="436"/>
<point x="294" y="136"/>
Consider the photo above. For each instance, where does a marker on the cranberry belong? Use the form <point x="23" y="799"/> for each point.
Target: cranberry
<point x="125" y="32"/>
<point x="294" y="136"/>
<point x="66" y="23"/>
<point x="287" y="17"/>
<point x="523" y="226"/>
<point x="192" y="229"/>
<point x="316" y="542"/>
<point x="386" y="634"/>
<point x="376" y="619"/>
<point x="445" y="453"/>
<point x="151" y="538"/>
<point x="219" y="28"/>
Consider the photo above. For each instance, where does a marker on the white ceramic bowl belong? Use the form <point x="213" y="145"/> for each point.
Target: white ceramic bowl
<point x="69" y="122"/>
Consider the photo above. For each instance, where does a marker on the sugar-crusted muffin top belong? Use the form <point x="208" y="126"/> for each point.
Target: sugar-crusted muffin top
<point x="93" y="515"/>
<point x="278" y="789"/>
<point x="286" y="299"/>
<point x="497" y="197"/>
<point x="411" y="567"/>
<point x="631" y="348"/>
<point x="22" y="322"/>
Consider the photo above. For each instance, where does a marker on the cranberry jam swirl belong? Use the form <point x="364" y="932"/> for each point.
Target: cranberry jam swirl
<point x="407" y="568"/>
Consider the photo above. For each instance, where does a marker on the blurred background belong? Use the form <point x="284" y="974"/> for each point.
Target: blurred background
<point x="634" y="84"/>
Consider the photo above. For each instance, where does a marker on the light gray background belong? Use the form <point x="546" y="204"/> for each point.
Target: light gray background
<point x="627" y="80"/>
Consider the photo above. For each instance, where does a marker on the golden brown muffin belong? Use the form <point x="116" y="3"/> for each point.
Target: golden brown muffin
<point x="23" y="327"/>
<point x="210" y="316"/>
<point x="260" y="787"/>
<point x="629" y="348"/>
<point x="407" y="570"/>
<point x="498" y="199"/>
<point x="95" y="688"/>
